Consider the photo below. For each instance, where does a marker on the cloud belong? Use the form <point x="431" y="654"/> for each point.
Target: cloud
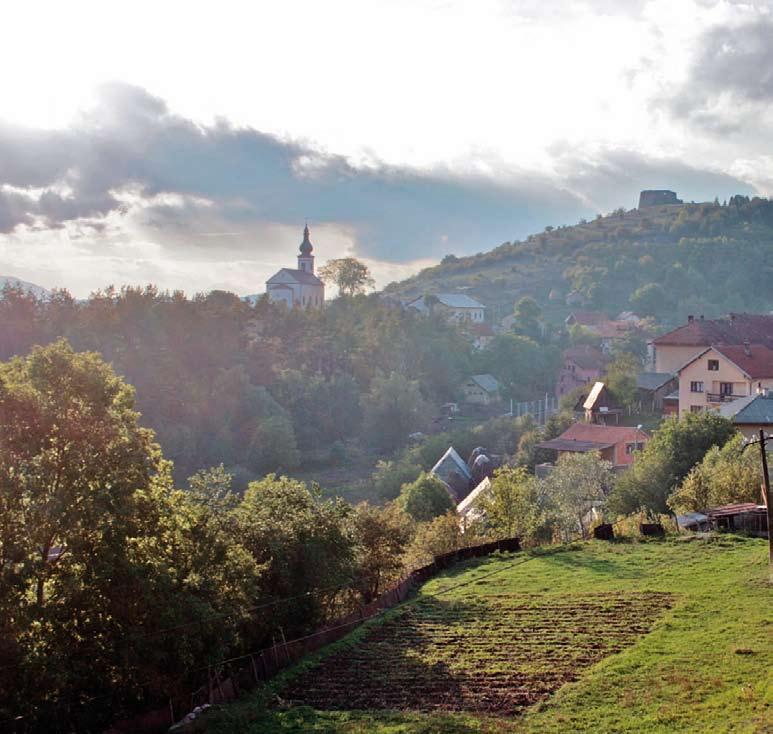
<point x="730" y="78"/>
<point x="611" y="178"/>
<point x="132" y="192"/>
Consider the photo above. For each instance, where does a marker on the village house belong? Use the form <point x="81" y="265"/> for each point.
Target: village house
<point x="668" y="352"/>
<point x="600" y="407"/>
<point x="653" y="388"/>
<point x="582" y="365"/>
<point x="453" y="470"/>
<point x="720" y="374"/>
<point x="751" y="414"/>
<point x="481" y="390"/>
<point x="481" y="334"/>
<point x="615" y="444"/>
<point x="456" y="307"/>
<point x="299" y="287"/>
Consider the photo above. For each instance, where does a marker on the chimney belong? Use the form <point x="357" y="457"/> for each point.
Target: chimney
<point x="690" y="319"/>
<point x="747" y="349"/>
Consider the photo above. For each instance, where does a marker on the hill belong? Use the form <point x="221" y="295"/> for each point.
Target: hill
<point x="626" y="637"/>
<point x="36" y="290"/>
<point x="663" y="261"/>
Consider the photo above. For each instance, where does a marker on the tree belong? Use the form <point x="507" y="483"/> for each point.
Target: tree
<point x="527" y="318"/>
<point x="96" y="546"/>
<point x="578" y="484"/>
<point x="425" y="498"/>
<point x="381" y="536"/>
<point x="726" y="475"/>
<point x="650" y="299"/>
<point x="392" y="410"/>
<point x="351" y="275"/>
<point x="517" y="506"/>
<point x="441" y="535"/>
<point x="305" y="544"/>
<point x="621" y="379"/>
<point x="666" y="460"/>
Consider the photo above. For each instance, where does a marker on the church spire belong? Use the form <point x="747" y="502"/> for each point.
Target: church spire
<point x="306" y="246"/>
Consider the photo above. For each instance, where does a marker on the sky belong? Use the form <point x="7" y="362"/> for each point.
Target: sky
<point x="186" y="143"/>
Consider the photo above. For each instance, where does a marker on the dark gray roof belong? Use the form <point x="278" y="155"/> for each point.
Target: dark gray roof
<point x="750" y="410"/>
<point x="486" y="382"/>
<point x="301" y="276"/>
<point x="652" y="380"/>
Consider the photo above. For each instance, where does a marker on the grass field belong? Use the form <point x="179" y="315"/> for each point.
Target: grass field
<point x="661" y="636"/>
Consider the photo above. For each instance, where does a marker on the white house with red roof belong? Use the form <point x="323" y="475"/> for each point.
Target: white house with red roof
<point x="722" y="373"/>
<point x="298" y="287"/>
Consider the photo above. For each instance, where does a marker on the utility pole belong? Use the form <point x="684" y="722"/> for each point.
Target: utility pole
<point x="766" y="490"/>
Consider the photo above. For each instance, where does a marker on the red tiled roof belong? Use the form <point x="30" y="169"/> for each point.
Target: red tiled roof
<point x="586" y="357"/>
<point x="758" y="363"/>
<point x="735" y="329"/>
<point x="603" y="434"/>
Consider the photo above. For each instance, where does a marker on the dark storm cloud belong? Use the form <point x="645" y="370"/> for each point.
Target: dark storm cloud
<point x="730" y="77"/>
<point x="224" y="178"/>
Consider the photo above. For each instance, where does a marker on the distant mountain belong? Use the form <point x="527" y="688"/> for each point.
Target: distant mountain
<point x="665" y="261"/>
<point x="36" y="290"/>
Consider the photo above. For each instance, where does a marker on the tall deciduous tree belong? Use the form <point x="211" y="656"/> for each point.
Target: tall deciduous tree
<point x="675" y="448"/>
<point x="351" y="275"/>
<point x="392" y="410"/>
<point x="578" y="484"/>
<point x="425" y="498"/>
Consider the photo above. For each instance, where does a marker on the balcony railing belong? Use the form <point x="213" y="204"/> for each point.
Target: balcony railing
<point x="715" y="397"/>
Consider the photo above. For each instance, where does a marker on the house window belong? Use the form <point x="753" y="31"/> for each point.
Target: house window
<point x="725" y="388"/>
<point x="630" y="448"/>
<point x="696" y="408"/>
<point x="713" y="365"/>
<point x="696" y="386"/>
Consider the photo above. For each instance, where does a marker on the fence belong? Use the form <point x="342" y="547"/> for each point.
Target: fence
<point x="541" y="410"/>
<point x="226" y="680"/>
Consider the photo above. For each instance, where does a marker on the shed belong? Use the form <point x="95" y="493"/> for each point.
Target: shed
<point x="746" y="517"/>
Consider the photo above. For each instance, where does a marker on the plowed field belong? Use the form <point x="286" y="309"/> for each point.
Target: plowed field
<point x="495" y="655"/>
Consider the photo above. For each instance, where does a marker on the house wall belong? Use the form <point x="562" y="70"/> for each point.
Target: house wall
<point x="670" y="358"/>
<point x="699" y="371"/>
<point x="474" y="393"/>
<point x="474" y="315"/>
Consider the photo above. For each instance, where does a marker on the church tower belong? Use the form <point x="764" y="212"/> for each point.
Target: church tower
<point x="305" y="258"/>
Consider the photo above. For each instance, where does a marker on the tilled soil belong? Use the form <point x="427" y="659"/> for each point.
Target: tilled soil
<point x="494" y="654"/>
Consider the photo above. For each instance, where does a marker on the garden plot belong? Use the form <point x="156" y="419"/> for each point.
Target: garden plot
<point x="493" y="654"/>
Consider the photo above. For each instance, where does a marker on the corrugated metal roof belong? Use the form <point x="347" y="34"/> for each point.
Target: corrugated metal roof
<point x="652" y="380"/>
<point x="458" y="300"/>
<point x="737" y="509"/>
<point x="488" y="383"/>
<point x="751" y="409"/>
<point x="466" y="504"/>
<point x="590" y="401"/>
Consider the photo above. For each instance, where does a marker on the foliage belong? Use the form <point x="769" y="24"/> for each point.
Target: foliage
<point x="392" y="410"/>
<point x="99" y="555"/>
<point x="666" y="460"/>
<point x="517" y="506"/>
<point x="381" y="536"/>
<point x="442" y="534"/>
<point x="350" y="275"/>
<point x="725" y="475"/>
<point x="621" y="379"/>
<point x="528" y="316"/>
<point x="578" y="484"/>
<point x="425" y="498"/>
<point x="257" y="387"/>
<point x="305" y="543"/>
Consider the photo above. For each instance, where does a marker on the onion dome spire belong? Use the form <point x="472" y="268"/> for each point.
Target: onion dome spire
<point x="306" y="246"/>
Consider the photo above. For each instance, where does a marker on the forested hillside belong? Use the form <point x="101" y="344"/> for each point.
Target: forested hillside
<point x="665" y="261"/>
<point x="257" y="388"/>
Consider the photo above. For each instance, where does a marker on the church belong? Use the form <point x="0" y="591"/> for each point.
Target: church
<point x="298" y="288"/>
